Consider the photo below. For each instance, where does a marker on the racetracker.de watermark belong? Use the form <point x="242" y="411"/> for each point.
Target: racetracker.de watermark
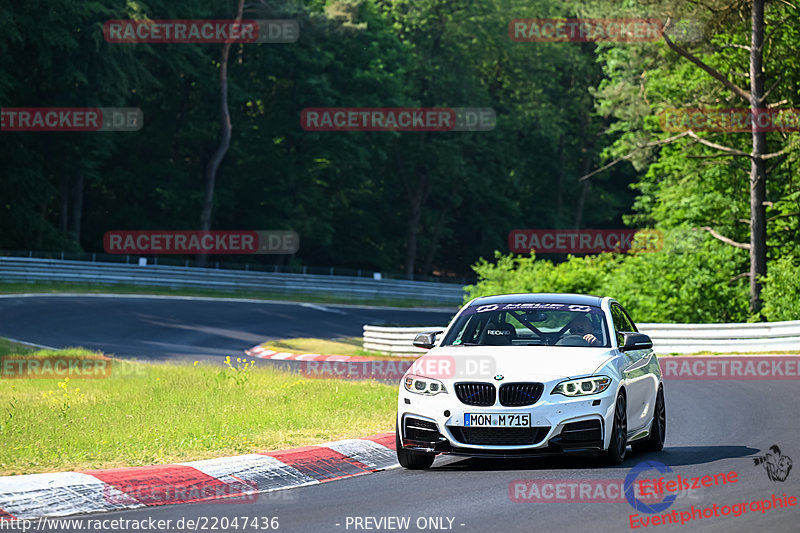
<point x="31" y="367"/>
<point x="178" y="31"/>
<point x="764" y="367"/>
<point x="194" y="242"/>
<point x="584" y="30"/>
<point x="71" y="119"/>
<point x="398" y="119"/>
<point x="557" y="241"/>
<point x="436" y="367"/>
<point x="741" y="120"/>
<point x="591" y="30"/>
<point x="649" y="495"/>
<point x="573" y="490"/>
<point x="157" y="493"/>
<point x="375" y="369"/>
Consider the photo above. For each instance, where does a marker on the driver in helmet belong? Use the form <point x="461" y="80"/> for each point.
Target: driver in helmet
<point x="581" y="325"/>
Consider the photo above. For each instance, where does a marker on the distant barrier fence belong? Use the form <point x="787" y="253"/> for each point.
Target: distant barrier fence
<point x="667" y="338"/>
<point x="15" y="269"/>
<point x="245" y="263"/>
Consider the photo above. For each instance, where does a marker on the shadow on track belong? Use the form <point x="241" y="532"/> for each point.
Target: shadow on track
<point x="670" y="456"/>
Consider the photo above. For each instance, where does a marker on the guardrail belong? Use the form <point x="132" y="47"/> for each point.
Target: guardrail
<point x="394" y="340"/>
<point x="245" y="263"/>
<point x="748" y="337"/>
<point x="667" y="338"/>
<point x="38" y="270"/>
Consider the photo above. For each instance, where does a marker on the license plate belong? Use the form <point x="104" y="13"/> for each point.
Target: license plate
<point x="497" y="420"/>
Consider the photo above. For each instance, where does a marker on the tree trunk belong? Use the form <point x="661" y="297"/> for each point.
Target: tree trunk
<point x="427" y="265"/>
<point x="224" y="142"/>
<point x="416" y="198"/>
<point x="587" y="148"/>
<point x="758" y="173"/>
<point x="76" y="208"/>
<point x="39" y="239"/>
<point x="560" y="184"/>
<point x="581" y="203"/>
<point x="63" y="206"/>
<point x="411" y="246"/>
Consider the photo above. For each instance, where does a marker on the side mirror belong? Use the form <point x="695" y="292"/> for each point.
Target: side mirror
<point x="426" y="339"/>
<point x="635" y="341"/>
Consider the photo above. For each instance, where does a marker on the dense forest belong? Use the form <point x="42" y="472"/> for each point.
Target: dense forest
<point x="579" y="141"/>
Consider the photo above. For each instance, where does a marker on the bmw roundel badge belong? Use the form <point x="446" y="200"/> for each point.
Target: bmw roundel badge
<point x="499" y="377"/>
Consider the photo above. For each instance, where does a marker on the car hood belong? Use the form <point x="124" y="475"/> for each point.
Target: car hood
<point x="537" y="363"/>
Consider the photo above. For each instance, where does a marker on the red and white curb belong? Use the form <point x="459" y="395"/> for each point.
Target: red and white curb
<point x="224" y="480"/>
<point x="262" y="353"/>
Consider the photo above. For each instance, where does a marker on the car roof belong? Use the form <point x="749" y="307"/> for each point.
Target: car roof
<point x="542" y="297"/>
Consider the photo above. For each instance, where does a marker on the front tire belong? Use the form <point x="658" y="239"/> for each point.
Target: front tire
<point x="655" y="441"/>
<point x="619" y="433"/>
<point x="410" y="459"/>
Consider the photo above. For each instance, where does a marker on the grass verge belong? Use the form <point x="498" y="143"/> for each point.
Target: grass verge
<point x="89" y="288"/>
<point x="8" y="347"/>
<point x="145" y="414"/>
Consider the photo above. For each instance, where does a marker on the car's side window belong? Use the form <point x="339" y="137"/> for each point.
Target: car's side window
<point x="621" y="322"/>
<point x="628" y="320"/>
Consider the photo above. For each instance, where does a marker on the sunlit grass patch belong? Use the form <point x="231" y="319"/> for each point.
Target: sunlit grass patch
<point x="159" y="413"/>
<point x="341" y="346"/>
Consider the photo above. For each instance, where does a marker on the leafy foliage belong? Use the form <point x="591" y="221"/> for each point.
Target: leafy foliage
<point x="782" y="290"/>
<point x="692" y="279"/>
<point x="354" y="197"/>
<point x="418" y="202"/>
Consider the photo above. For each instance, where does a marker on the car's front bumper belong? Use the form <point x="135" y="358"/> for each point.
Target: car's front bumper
<point x="558" y="425"/>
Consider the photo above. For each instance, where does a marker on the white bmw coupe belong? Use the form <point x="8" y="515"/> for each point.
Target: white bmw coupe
<point x="532" y="374"/>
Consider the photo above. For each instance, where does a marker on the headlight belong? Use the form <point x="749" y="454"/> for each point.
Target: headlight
<point x="582" y="386"/>
<point x="427" y="386"/>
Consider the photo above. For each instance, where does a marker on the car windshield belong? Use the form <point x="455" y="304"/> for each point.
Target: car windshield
<point x="530" y="324"/>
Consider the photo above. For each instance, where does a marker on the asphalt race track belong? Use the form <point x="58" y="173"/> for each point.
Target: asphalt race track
<point x="713" y="427"/>
<point x="159" y="328"/>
